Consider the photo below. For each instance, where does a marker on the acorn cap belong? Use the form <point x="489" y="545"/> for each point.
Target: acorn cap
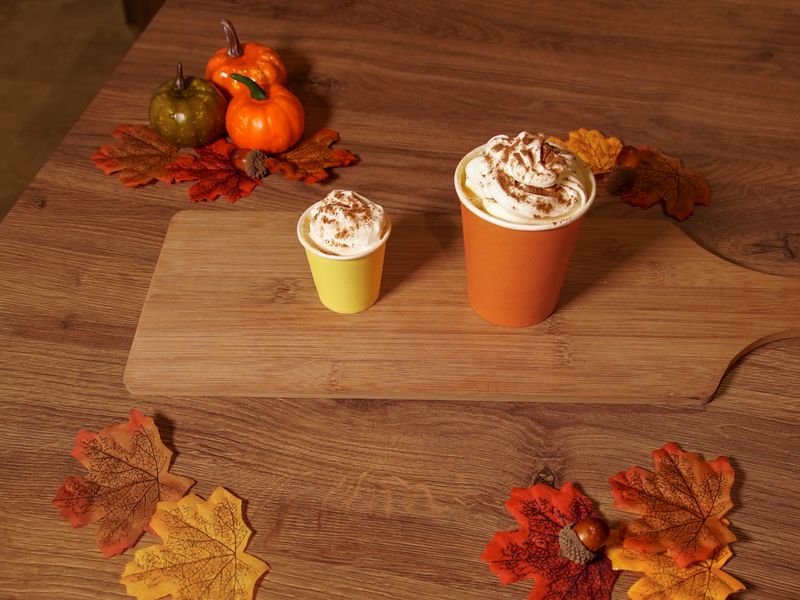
<point x="254" y="164"/>
<point x="572" y="547"/>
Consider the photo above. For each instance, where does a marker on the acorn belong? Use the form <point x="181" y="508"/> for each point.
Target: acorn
<point x="592" y="532"/>
<point x="252" y="162"/>
<point x="581" y="542"/>
<point x="239" y="158"/>
<point x="628" y="157"/>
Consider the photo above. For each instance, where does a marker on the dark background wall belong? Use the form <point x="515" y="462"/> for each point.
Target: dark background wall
<point x="54" y="56"/>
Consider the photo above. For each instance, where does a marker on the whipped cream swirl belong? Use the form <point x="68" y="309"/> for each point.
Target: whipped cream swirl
<point x="526" y="179"/>
<point x="345" y="223"/>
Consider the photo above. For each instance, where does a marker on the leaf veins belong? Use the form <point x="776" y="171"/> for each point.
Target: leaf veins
<point x="681" y="504"/>
<point x="128" y="475"/>
<point x="215" y="173"/>
<point x="307" y="161"/>
<point x="595" y="149"/>
<point x="663" y="580"/>
<point x="533" y="551"/>
<point x="202" y="554"/>
<point x="646" y="175"/>
<point x="138" y="157"/>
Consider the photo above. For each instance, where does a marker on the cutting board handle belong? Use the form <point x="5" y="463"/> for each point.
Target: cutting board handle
<point x="785" y="334"/>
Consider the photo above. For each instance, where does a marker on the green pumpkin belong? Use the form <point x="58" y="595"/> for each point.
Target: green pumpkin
<point x="188" y="112"/>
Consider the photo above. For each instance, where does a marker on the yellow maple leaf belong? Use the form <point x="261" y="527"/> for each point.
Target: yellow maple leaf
<point x="595" y="149"/>
<point x="202" y="554"/>
<point x="664" y="580"/>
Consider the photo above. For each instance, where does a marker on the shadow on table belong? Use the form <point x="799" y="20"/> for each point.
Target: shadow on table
<point x="414" y="241"/>
<point x="739" y="482"/>
<point x="603" y="246"/>
<point x="313" y="89"/>
<point x="166" y="429"/>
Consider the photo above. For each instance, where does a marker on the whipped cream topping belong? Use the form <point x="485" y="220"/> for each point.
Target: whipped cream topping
<point x="345" y="223"/>
<point x="526" y="179"/>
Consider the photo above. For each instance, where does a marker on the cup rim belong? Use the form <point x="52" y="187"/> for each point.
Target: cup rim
<point x="466" y="202"/>
<point x="307" y="245"/>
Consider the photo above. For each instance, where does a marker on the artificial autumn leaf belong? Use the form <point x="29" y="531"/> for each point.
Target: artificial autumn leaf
<point x="128" y="475"/>
<point x="595" y="149"/>
<point x="655" y="177"/>
<point x="534" y="552"/>
<point x="307" y="161"/>
<point x="215" y="172"/>
<point x="681" y="505"/>
<point x="138" y="157"/>
<point x="201" y="555"/>
<point x="663" y="580"/>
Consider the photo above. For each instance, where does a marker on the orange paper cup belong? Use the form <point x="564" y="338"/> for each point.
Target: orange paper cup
<point x="515" y="271"/>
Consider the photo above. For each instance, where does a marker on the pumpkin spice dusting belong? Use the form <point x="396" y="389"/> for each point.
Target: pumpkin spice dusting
<point x="526" y="180"/>
<point x="345" y="223"/>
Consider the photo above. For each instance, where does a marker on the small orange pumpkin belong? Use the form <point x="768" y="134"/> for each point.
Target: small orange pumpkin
<point x="271" y="120"/>
<point x="256" y="61"/>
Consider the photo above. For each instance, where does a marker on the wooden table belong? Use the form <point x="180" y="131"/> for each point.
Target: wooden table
<point x="397" y="499"/>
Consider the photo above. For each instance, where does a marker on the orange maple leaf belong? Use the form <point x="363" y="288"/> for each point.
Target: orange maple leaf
<point x="202" y="554"/>
<point x="307" y="161"/>
<point x="646" y="175"/>
<point x="128" y="475"/>
<point x="138" y="157"/>
<point x="663" y="580"/>
<point x="591" y="146"/>
<point x="681" y="505"/>
<point x="215" y="172"/>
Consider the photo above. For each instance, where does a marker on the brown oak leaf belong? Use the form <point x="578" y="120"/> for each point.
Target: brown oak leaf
<point x="308" y="160"/>
<point x="591" y="146"/>
<point x="534" y="550"/>
<point x="663" y="580"/>
<point x="202" y="554"/>
<point x="643" y="176"/>
<point x="128" y="475"/>
<point x="682" y="505"/>
<point x="215" y="172"/>
<point x="138" y="157"/>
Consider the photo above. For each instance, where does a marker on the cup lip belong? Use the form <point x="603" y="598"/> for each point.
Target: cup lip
<point x="543" y="226"/>
<point x="322" y="254"/>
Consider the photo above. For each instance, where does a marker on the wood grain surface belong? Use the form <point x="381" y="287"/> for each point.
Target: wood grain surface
<point x="364" y="499"/>
<point x="640" y="297"/>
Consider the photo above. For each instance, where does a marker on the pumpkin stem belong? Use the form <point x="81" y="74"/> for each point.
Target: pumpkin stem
<point x="180" y="81"/>
<point x="235" y="49"/>
<point x="256" y="91"/>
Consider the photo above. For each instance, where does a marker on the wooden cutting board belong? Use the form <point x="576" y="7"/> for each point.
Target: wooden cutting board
<point x="645" y="316"/>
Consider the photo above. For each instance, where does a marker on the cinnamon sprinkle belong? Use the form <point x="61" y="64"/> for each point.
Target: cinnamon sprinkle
<point x="518" y="190"/>
<point x="552" y="159"/>
<point x="348" y="207"/>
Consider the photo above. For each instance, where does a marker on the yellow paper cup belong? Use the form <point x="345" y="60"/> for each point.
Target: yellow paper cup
<point x="345" y="284"/>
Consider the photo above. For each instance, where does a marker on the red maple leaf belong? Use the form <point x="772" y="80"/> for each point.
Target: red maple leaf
<point x="643" y="176"/>
<point x="128" y="475"/>
<point x="534" y="552"/>
<point x="138" y="157"/>
<point x="682" y="505"/>
<point x="215" y="173"/>
<point x="307" y="161"/>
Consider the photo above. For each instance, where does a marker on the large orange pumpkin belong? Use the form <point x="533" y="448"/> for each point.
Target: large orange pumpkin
<point x="270" y="119"/>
